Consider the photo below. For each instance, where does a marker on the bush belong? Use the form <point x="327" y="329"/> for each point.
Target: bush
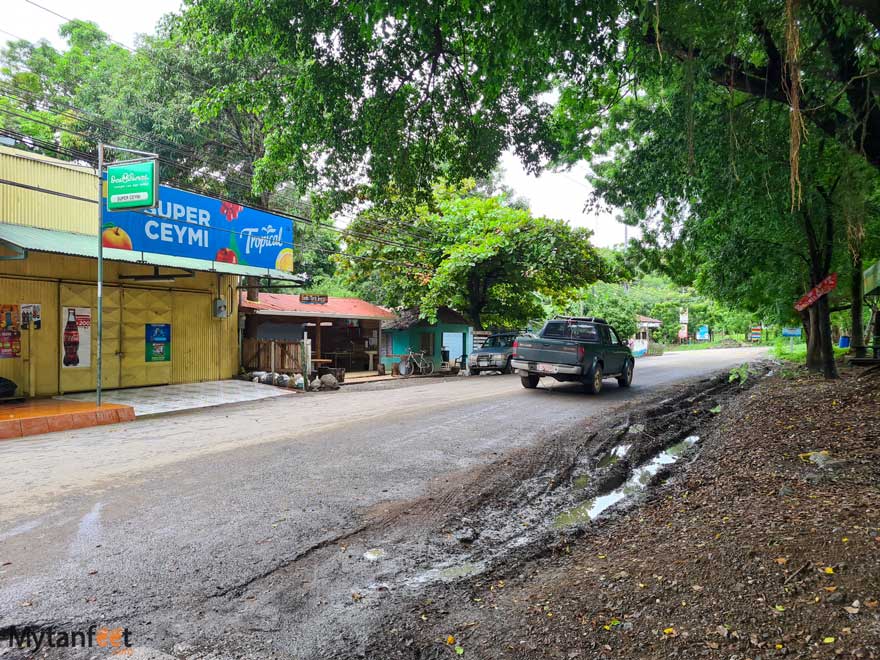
<point x="656" y="349"/>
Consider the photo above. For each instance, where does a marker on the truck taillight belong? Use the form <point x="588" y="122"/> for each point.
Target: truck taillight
<point x="515" y="346"/>
<point x="581" y="351"/>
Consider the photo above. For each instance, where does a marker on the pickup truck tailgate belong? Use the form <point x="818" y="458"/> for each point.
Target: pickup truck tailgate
<point x="552" y="351"/>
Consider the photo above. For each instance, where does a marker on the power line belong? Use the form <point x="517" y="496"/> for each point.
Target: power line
<point x="141" y="139"/>
<point x="182" y="72"/>
<point x="291" y="217"/>
<point x="291" y="244"/>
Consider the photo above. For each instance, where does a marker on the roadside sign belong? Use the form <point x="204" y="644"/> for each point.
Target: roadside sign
<point x="792" y="332"/>
<point x="683" y="316"/>
<point x="825" y="286"/>
<point x="872" y="280"/>
<point x="755" y="333"/>
<point x="703" y="333"/>
<point x="313" y="299"/>
<point x="132" y="184"/>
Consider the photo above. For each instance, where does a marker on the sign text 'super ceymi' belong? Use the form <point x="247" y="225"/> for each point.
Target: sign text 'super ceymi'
<point x="186" y="224"/>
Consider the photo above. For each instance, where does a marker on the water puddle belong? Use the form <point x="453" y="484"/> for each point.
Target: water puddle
<point x="452" y="573"/>
<point x="639" y="480"/>
<point x="613" y="456"/>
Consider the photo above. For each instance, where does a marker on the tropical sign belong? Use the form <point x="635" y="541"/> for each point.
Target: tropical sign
<point x="186" y="224"/>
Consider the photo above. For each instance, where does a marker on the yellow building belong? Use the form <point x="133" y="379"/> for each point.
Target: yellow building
<point x="48" y="259"/>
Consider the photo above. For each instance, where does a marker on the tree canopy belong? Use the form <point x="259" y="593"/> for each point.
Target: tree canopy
<point x="471" y="252"/>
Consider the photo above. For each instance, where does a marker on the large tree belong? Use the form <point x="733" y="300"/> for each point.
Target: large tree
<point x="471" y="252"/>
<point x="719" y="212"/>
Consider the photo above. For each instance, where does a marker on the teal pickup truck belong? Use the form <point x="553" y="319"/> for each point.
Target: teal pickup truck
<point x="570" y="348"/>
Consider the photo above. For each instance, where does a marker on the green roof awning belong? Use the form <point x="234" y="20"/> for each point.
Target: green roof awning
<point x="82" y="245"/>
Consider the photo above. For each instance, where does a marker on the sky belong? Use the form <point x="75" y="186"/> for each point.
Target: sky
<point x="553" y="194"/>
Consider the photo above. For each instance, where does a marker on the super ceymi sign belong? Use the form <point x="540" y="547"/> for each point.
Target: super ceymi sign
<point x="186" y="224"/>
<point x="825" y="286"/>
<point x="132" y="185"/>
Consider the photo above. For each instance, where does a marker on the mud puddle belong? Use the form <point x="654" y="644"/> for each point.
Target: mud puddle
<point x="637" y="483"/>
<point x="585" y="477"/>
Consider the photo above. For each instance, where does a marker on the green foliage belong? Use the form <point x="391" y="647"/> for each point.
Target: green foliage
<point x="654" y="296"/>
<point x="493" y="262"/>
<point x="783" y="349"/>
<point x="739" y="374"/>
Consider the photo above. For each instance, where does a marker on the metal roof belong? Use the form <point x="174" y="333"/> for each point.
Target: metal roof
<point x="281" y="304"/>
<point x="83" y="245"/>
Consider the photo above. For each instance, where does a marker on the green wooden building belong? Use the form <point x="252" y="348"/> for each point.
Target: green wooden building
<point x="451" y="332"/>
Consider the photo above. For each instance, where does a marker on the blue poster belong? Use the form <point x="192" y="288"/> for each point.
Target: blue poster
<point x="703" y="333"/>
<point x="791" y="332"/>
<point x="158" y="342"/>
<point x="187" y="224"/>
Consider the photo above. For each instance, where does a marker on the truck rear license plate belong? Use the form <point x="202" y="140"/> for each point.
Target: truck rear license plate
<point x="546" y="368"/>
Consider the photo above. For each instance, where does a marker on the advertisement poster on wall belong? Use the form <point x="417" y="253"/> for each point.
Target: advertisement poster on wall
<point x="76" y="340"/>
<point x="32" y="313"/>
<point x="158" y="342"/>
<point x="10" y="333"/>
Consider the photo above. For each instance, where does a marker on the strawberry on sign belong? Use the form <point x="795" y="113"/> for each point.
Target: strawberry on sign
<point x="825" y="286"/>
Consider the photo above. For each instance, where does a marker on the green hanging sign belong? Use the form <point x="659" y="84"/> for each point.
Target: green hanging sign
<point x="132" y="185"/>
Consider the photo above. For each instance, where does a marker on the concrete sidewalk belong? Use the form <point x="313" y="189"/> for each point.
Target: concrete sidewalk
<point x="161" y="399"/>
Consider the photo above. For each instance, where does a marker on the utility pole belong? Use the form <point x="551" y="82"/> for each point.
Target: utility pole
<point x="100" y="310"/>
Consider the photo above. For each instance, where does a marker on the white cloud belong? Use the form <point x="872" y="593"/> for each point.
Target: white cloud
<point x="563" y="195"/>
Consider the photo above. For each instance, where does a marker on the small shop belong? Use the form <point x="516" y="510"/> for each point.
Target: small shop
<point x="284" y="331"/>
<point x="170" y="283"/>
<point x="451" y="337"/>
<point x="645" y="325"/>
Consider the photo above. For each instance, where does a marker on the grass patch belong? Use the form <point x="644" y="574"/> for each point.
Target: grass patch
<point x="725" y="342"/>
<point x="797" y="352"/>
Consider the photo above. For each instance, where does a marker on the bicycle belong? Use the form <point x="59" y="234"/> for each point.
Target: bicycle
<point x="413" y="362"/>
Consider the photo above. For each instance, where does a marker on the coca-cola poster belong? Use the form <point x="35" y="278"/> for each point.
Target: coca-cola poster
<point x="76" y="337"/>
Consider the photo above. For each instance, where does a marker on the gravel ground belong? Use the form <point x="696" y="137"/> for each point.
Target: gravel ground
<point x="765" y="544"/>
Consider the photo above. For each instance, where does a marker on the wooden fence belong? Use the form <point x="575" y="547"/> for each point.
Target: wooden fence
<point x="257" y="355"/>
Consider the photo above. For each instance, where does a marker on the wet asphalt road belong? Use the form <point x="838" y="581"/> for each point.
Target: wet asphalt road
<point x="158" y="521"/>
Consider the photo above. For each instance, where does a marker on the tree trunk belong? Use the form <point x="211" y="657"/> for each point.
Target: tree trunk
<point x="826" y="345"/>
<point x="857" y="293"/>
<point x="811" y="329"/>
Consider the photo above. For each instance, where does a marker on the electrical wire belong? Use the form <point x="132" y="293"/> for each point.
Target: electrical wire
<point x="25" y="97"/>
<point x="293" y="245"/>
<point x="185" y="74"/>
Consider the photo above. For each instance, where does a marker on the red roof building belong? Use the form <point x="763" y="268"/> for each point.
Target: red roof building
<point x="345" y="333"/>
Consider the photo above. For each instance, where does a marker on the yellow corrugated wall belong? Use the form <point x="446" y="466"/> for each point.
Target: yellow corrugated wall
<point x="19" y="206"/>
<point x="203" y="348"/>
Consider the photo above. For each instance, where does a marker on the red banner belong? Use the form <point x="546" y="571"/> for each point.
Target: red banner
<point x="825" y="286"/>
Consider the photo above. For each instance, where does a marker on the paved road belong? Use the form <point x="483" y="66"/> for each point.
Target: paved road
<point x="150" y="521"/>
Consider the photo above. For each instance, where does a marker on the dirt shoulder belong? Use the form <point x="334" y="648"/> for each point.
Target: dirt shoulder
<point x="752" y="547"/>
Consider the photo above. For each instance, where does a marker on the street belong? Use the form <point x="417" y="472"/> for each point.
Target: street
<point x="188" y="529"/>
